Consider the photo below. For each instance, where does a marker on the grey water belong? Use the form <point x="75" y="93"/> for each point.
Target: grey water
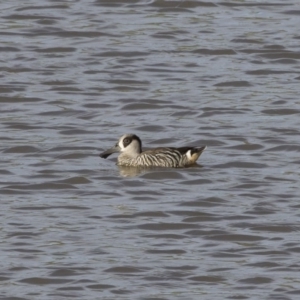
<point x="76" y="75"/>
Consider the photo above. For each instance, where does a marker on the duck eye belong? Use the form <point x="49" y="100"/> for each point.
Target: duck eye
<point x="126" y="142"/>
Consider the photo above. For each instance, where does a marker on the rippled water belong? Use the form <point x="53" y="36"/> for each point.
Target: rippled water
<point x="76" y="75"/>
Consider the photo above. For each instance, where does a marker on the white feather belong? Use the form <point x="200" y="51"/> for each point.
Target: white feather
<point x="189" y="154"/>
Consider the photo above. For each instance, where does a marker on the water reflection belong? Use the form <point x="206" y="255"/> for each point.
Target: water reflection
<point x="132" y="171"/>
<point x="154" y="172"/>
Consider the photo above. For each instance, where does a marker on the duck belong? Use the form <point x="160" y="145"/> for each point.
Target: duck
<point x="132" y="155"/>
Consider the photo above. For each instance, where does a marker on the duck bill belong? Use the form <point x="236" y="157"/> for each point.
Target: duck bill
<point x="110" y="151"/>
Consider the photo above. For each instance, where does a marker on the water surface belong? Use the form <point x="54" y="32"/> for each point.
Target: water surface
<point x="76" y="75"/>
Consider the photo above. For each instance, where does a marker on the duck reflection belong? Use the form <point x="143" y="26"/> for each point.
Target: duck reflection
<point x="135" y="171"/>
<point x="132" y="171"/>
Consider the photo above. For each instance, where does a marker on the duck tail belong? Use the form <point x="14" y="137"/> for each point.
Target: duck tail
<point x="195" y="153"/>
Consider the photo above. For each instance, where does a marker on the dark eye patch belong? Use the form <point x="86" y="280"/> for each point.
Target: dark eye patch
<point x="127" y="141"/>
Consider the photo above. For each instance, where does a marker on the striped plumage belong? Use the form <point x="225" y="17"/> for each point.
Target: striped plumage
<point x="132" y="155"/>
